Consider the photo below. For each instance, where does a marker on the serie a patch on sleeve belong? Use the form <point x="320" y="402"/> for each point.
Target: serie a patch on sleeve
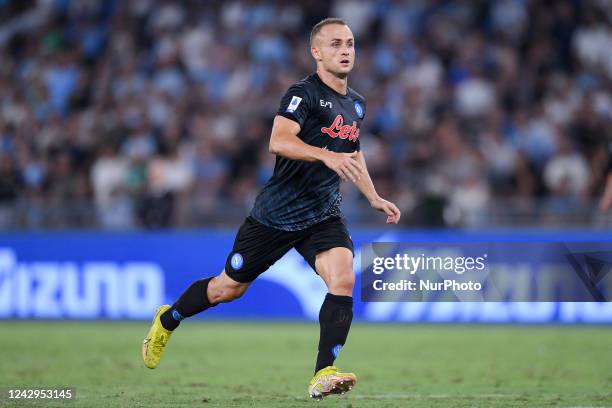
<point x="293" y="105"/>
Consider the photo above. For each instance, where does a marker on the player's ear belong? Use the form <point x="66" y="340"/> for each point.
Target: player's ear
<point x="316" y="54"/>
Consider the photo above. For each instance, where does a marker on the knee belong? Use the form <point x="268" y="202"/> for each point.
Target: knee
<point x="222" y="292"/>
<point x="342" y="282"/>
<point x="229" y="294"/>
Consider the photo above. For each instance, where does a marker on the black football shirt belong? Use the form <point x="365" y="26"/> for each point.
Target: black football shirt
<point x="300" y="194"/>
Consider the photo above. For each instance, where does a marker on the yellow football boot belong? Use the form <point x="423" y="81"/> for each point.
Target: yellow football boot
<point x="329" y="381"/>
<point x="154" y="344"/>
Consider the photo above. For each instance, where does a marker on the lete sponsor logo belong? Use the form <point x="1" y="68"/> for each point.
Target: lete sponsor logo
<point x="339" y="129"/>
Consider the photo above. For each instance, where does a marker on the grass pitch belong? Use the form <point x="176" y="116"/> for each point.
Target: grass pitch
<point x="269" y="365"/>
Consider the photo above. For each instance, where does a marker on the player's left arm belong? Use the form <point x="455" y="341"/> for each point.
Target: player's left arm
<point x="366" y="186"/>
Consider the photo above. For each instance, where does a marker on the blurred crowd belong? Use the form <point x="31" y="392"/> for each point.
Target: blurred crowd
<point x="147" y="113"/>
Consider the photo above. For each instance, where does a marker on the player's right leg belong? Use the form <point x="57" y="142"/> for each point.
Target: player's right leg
<point x="255" y="249"/>
<point x="201" y="295"/>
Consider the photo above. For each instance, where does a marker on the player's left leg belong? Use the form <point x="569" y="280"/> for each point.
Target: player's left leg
<point x="335" y="266"/>
<point x="328" y="249"/>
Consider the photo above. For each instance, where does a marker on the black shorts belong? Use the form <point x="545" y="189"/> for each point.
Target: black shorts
<point x="258" y="246"/>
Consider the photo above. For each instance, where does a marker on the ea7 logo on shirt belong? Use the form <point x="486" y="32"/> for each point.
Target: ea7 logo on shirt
<point x="325" y="104"/>
<point x="339" y="129"/>
<point x="293" y="105"/>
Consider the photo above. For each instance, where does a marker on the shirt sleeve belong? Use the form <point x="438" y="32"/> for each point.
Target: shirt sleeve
<point x="296" y="104"/>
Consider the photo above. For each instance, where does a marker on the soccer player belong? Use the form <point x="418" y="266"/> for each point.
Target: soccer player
<point x="315" y="137"/>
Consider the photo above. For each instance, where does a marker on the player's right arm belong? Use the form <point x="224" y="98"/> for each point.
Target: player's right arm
<point x="285" y="142"/>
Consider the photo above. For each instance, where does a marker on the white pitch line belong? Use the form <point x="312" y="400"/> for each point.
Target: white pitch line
<point x="434" y="396"/>
<point x="442" y="396"/>
<point x="446" y="396"/>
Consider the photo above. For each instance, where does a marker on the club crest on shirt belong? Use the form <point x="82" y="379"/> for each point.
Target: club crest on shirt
<point x="293" y="105"/>
<point x="359" y="109"/>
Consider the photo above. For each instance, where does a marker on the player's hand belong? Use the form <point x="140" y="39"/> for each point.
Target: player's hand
<point x="393" y="213"/>
<point x="344" y="164"/>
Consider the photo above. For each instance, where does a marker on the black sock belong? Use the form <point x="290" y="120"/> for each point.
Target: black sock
<point x="335" y="319"/>
<point x="193" y="301"/>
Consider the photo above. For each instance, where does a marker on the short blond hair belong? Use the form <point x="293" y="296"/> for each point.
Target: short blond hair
<point x="317" y="27"/>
